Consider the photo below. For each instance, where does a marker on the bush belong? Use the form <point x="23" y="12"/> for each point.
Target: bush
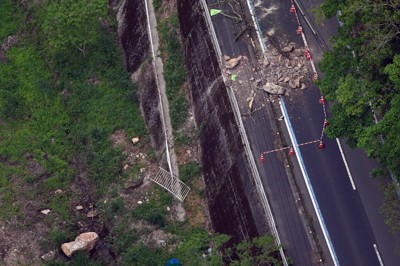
<point x="150" y="212"/>
<point x="154" y="211"/>
<point x="140" y="254"/>
<point x="59" y="236"/>
<point x="124" y="240"/>
<point x="189" y="170"/>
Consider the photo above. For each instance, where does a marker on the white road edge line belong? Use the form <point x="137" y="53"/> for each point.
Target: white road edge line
<point x="345" y="164"/>
<point x="308" y="183"/>
<point x="294" y="141"/>
<point x="378" y="255"/>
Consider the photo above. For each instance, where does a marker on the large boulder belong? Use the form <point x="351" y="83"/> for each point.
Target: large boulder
<point x="232" y="62"/>
<point x="274" y="89"/>
<point x="85" y="241"/>
<point x="288" y="48"/>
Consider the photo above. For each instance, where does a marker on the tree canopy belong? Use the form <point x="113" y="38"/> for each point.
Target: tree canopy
<point x="362" y="77"/>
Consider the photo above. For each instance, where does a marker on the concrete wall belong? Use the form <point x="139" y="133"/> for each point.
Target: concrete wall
<point x="232" y="200"/>
<point x="233" y="203"/>
<point x="135" y="44"/>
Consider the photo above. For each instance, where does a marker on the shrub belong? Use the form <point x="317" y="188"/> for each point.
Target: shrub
<point x="189" y="170"/>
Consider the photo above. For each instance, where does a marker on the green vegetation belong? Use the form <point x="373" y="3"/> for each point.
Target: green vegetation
<point x="63" y="93"/>
<point x="367" y="79"/>
<point x="174" y="69"/>
<point x="155" y="211"/>
<point x="257" y="251"/>
<point x="189" y="170"/>
<point x="57" y="106"/>
<point x="362" y="77"/>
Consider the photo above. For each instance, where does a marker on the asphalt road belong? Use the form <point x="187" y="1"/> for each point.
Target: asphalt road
<point x="262" y="132"/>
<point x="348" y="221"/>
<point x="368" y="187"/>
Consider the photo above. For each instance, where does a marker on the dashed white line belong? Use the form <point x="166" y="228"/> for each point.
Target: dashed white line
<point x="345" y="164"/>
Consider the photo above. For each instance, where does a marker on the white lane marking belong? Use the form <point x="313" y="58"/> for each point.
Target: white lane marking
<point x="378" y="255"/>
<point x="345" y="164"/>
<point x="294" y="141"/>
<point x="308" y="184"/>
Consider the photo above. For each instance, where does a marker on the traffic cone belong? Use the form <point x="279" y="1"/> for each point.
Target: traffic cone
<point x="322" y="100"/>
<point x="326" y="123"/>
<point x="299" y="30"/>
<point x="262" y="158"/>
<point x="307" y="55"/>
<point x="291" y="151"/>
<point x="321" y="145"/>
<point x="292" y="9"/>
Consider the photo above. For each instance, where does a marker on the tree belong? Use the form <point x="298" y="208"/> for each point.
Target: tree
<point x="362" y="74"/>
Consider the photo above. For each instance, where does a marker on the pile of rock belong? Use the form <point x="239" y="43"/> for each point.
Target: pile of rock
<point x="283" y="70"/>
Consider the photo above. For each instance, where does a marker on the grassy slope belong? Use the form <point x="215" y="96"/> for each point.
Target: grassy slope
<point x="55" y="126"/>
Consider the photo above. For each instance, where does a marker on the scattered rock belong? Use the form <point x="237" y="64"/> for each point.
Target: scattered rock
<point x="91" y="214"/>
<point x="139" y="202"/>
<point x="303" y="86"/>
<point x="257" y="82"/>
<point x="49" y="256"/>
<point x="135" y="140"/>
<point x="273" y="89"/>
<point x="292" y="84"/>
<point x="86" y="241"/>
<point x="233" y="62"/>
<point x="288" y="48"/>
<point x="79" y="207"/>
<point x="288" y="64"/>
<point x="168" y="209"/>
<point x="161" y="243"/>
<point x="80" y="224"/>
<point x="266" y="62"/>
<point x="58" y="191"/>
<point x="46" y="211"/>
<point x="227" y="57"/>
<point x="286" y="79"/>
<point x="250" y="100"/>
<point x="94" y="80"/>
<point x="126" y="166"/>
<point x="297" y="81"/>
<point x="297" y="52"/>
